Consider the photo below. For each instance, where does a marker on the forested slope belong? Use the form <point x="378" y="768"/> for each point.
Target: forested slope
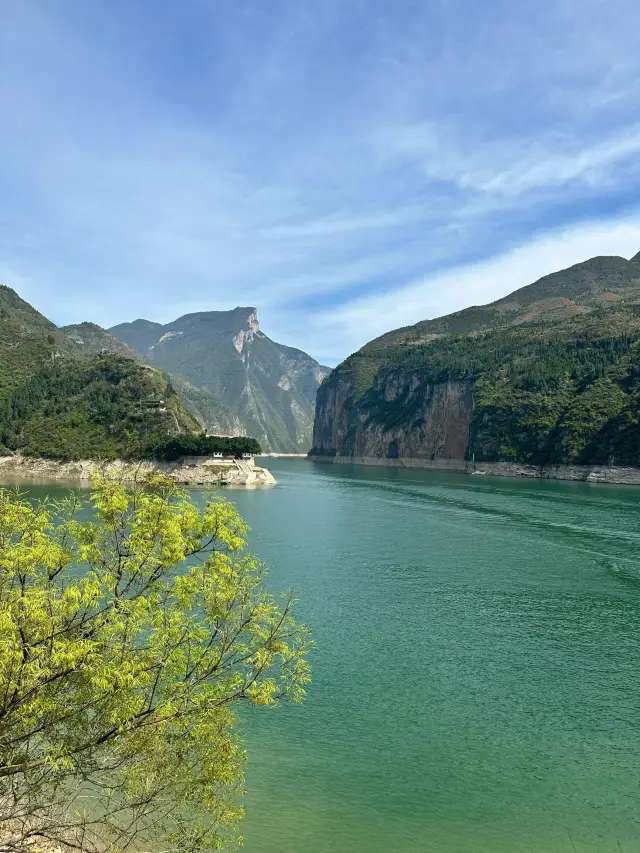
<point x="548" y="374"/>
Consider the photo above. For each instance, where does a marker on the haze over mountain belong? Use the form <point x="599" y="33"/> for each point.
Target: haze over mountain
<point x="548" y="374"/>
<point x="234" y="378"/>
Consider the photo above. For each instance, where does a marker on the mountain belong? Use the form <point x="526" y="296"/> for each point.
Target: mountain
<point x="233" y="377"/>
<point x="597" y="283"/>
<point x="27" y="340"/>
<point x="58" y="400"/>
<point x="94" y="340"/>
<point x="548" y="374"/>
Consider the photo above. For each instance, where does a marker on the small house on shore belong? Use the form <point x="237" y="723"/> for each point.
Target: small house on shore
<point x="216" y="458"/>
<point x="194" y="450"/>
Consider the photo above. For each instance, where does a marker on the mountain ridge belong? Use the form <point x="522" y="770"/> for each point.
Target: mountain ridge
<point x="237" y="379"/>
<point x="597" y="282"/>
<point x="549" y="373"/>
<point x="93" y="339"/>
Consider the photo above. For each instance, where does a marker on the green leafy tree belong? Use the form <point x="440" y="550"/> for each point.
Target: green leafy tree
<point x="129" y="635"/>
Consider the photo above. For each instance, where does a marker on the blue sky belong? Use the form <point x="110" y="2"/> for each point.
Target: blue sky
<point x="346" y="166"/>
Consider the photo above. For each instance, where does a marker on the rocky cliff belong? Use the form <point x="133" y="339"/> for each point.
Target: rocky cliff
<point x="402" y="415"/>
<point x="548" y="375"/>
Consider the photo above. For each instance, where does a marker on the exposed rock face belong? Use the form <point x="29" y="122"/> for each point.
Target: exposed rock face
<point x="401" y="416"/>
<point x="246" y="335"/>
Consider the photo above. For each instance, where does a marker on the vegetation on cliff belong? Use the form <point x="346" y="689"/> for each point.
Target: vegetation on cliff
<point x="94" y="340"/>
<point x="27" y="341"/>
<point x="555" y="368"/>
<point x="120" y="681"/>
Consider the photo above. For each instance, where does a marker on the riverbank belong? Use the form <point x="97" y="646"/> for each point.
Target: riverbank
<point x="18" y="468"/>
<point x="586" y="473"/>
<point x="275" y="455"/>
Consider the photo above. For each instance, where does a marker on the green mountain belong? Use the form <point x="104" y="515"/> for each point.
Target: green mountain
<point x="597" y="283"/>
<point x="27" y="340"/>
<point x="94" y="340"/>
<point x="233" y="377"/>
<point x="548" y="374"/>
<point x="58" y="400"/>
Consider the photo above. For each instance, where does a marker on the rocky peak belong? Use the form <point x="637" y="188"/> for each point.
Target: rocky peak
<point x="254" y="325"/>
<point x="235" y="377"/>
<point x="636" y="258"/>
<point x="245" y="336"/>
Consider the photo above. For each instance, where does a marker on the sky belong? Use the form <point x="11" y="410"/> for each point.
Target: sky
<point x="345" y="166"/>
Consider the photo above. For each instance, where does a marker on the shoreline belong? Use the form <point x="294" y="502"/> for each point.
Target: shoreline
<point x="614" y="474"/>
<point x="22" y="469"/>
<point x="275" y="455"/>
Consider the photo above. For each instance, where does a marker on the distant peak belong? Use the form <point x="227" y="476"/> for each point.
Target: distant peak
<point x="86" y="324"/>
<point x="142" y="322"/>
<point x="246" y="335"/>
<point x="252" y="320"/>
<point x="636" y="258"/>
<point x="246" y="313"/>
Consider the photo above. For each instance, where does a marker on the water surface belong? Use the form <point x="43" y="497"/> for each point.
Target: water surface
<point x="476" y="676"/>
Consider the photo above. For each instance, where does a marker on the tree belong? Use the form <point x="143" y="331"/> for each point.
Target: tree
<point x="130" y="631"/>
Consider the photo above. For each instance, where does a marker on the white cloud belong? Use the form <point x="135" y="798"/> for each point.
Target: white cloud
<point x="337" y="167"/>
<point x="510" y="168"/>
<point x="352" y="325"/>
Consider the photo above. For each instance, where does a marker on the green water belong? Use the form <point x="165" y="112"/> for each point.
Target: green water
<point x="476" y="677"/>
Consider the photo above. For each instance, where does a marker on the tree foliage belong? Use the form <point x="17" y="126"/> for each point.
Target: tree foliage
<point x="203" y="445"/>
<point x="130" y="631"/>
<point x="106" y="407"/>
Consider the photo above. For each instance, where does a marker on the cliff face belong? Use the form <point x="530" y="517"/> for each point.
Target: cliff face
<point x="548" y="375"/>
<point x="402" y="415"/>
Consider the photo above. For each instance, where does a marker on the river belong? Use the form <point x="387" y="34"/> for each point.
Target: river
<point x="477" y="670"/>
<point x="476" y="676"/>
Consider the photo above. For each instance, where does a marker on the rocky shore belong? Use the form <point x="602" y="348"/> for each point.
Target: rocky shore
<point x="17" y="468"/>
<point x="586" y="473"/>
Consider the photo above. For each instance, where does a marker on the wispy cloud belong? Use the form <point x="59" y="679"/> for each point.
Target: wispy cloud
<point x="507" y="168"/>
<point x="345" y="167"/>
<point x="359" y="320"/>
